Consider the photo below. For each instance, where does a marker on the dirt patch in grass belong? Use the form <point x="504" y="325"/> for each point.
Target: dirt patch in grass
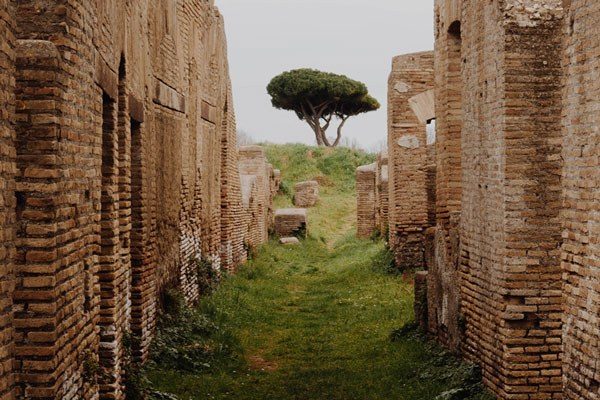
<point x="258" y="363"/>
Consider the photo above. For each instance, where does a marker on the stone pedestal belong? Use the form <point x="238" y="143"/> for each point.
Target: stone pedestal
<point x="291" y="222"/>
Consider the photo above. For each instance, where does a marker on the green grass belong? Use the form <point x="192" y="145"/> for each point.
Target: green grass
<point x="315" y="321"/>
<point x="335" y="170"/>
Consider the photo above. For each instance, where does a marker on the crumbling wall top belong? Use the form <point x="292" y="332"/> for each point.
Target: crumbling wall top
<point x="371" y="168"/>
<point x="412" y="60"/>
<point x="530" y="13"/>
<point x="252" y="151"/>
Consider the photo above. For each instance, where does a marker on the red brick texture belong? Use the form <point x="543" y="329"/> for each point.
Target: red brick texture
<point x="443" y="242"/>
<point x="118" y="172"/>
<point x="8" y="202"/>
<point x="366" y="200"/>
<point x="510" y="227"/>
<point x="513" y="259"/>
<point x="581" y="201"/>
<point x="411" y="76"/>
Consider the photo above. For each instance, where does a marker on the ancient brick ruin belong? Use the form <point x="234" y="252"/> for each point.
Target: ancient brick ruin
<point x="291" y="222"/>
<point x="511" y="243"/>
<point x="382" y="194"/>
<point x="118" y="174"/>
<point x="411" y="78"/>
<point x="306" y="194"/>
<point x="260" y="183"/>
<point x="366" y="200"/>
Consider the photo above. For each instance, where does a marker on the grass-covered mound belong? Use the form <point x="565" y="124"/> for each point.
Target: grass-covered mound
<point x="317" y="321"/>
<point x="335" y="171"/>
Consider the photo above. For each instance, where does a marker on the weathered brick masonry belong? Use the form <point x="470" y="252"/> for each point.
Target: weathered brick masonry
<point x="510" y="228"/>
<point x="366" y="200"/>
<point x="517" y="192"/>
<point x="581" y="200"/>
<point x="7" y="197"/>
<point x="382" y="193"/>
<point x="118" y="173"/>
<point x="412" y="75"/>
<point x="442" y="247"/>
<point x="253" y="163"/>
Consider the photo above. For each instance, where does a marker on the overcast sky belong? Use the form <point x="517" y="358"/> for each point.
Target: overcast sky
<point x="357" y="38"/>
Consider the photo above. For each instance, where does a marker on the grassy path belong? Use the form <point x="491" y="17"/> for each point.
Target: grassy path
<point x="315" y="322"/>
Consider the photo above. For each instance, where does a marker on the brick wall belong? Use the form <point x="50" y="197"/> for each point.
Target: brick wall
<point x="516" y="187"/>
<point x="121" y="172"/>
<point x="412" y="75"/>
<point x="510" y="230"/>
<point x="445" y="173"/>
<point x="581" y="214"/>
<point x="232" y="212"/>
<point x="7" y="196"/>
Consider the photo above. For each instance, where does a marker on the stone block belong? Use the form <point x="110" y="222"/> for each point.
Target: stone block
<point x="291" y="222"/>
<point x="306" y="194"/>
<point x="289" y="241"/>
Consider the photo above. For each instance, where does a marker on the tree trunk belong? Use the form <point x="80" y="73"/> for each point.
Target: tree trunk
<point x="318" y="137"/>
<point x="339" y="132"/>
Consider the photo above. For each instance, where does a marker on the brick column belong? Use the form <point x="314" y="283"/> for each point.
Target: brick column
<point x="252" y="161"/>
<point x="412" y="75"/>
<point x="383" y="194"/>
<point x="366" y="200"/>
<point x="444" y="244"/>
<point x="510" y="227"/>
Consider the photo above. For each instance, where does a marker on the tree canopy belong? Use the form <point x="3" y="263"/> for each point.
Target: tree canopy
<point x="317" y="97"/>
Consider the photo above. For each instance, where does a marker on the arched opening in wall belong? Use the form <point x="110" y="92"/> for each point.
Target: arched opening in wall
<point x="455" y="29"/>
<point x="431" y="133"/>
<point x="431" y="171"/>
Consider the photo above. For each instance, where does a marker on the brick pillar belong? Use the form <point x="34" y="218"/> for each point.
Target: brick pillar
<point x="366" y="200"/>
<point x="252" y="161"/>
<point x="581" y="194"/>
<point x="412" y="75"/>
<point x="383" y="193"/>
<point x="446" y="178"/>
<point x="56" y="306"/>
<point x="510" y="227"/>
<point x="448" y="105"/>
<point x="8" y="202"/>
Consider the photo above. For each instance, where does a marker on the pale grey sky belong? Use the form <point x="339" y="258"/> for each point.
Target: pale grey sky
<point x="357" y="38"/>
